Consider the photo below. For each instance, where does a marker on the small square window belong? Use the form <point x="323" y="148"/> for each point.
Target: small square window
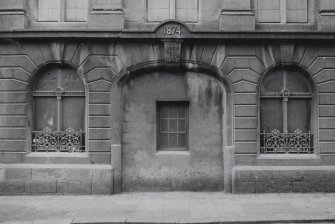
<point x="172" y="125"/>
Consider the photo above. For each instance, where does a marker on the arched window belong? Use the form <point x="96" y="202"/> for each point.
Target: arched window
<point x="59" y="111"/>
<point x="286" y="112"/>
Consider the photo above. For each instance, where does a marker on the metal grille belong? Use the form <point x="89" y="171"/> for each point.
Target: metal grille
<point x="58" y="141"/>
<point x="296" y="142"/>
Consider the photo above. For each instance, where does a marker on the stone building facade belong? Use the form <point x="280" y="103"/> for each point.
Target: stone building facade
<point x="105" y="96"/>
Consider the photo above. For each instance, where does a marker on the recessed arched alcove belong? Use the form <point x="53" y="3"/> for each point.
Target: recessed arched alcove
<point x="175" y="123"/>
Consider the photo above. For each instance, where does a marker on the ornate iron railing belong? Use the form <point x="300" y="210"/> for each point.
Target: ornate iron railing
<point x="58" y="141"/>
<point x="296" y="142"/>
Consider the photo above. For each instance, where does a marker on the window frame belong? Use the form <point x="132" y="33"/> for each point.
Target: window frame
<point x="159" y="104"/>
<point x="62" y="14"/>
<point x="283" y="14"/>
<point x="313" y="110"/>
<point x="172" y="12"/>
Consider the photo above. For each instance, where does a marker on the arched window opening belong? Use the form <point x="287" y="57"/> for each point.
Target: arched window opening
<point x="59" y="112"/>
<point x="286" y="112"/>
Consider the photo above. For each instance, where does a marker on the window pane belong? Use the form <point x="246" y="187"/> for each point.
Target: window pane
<point x="173" y="112"/>
<point x="45" y="113"/>
<point x="269" y="11"/>
<point x="158" y="10"/>
<point x="271" y="115"/>
<point x="181" y="125"/>
<point x="70" y="81"/>
<point x="173" y="125"/>
<point x="73" y="112"/>
<point x="173" y="142"/>
<point x="76" y="10"/>
<point x="299" y="115"/>
<point x="296" y="11"/>
<point x="48" y="10"/>
<point x="187" y="10"/>
<point x="296" y="82"/>
<point x="163" y="141"/>
<point x="273" y="82"/>
<point x="164" y="125"/>
<point x="182" y="142"/>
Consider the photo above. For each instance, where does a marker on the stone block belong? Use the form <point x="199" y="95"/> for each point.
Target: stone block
<point x="99" y="133"/>
<point x="13" y="145"/>
<point x="10" y="109"/>
<point x="10" y="97"/>
<point x="102" y="175"/>
<point x="246" y="135"/>
<point x="99" y="98"/>
<point x="246" y="147"/>
<point x="246" y="99"/>
<point x="100" y="86"/>
<point x="327" y="99"/>
<point x="12" y="5"/>
<point x="244" y="187"/>
<point x="100" y="157"/>
<point x="102" y="187"/>
<point x="273" y="187"/>
<point x="74" y="187"/>
<point x="11" y="121"/>
<point x="12" y="186"/>
<point x="326" y="111"/>
<point x="246" y="123"/>
<point x="9" y="133"/>
<point x="2" y="174"/>
<point x="100" y="110"/>
<point x="18" y="173"/>
<point x="327" y="20"/>
<point x="307" y="187"/>
<point x="99" y="145"/>
<point x="326" y="87"/>
<point x="106" y="5"/>
<point x="106" y="19"/>
<point x="48" y="173"/>
<point x="245" y="87"/>
<point x="12" y="85"/>
<point x="314" y="175"/>
<point x="246" y="111"/>
<point x="330" y="187"/>
<point x="12" y="20"/>
<point x="12" y="157"/>
<point x="237" y="20"/>
<point x="327" y="123"/>
<point x="327" y="135"/>
<point x="99" y="122"/>
<point x="233" y="5"/>
<point x="280" y="175"/>
<point x="40" y="186"/>
<point x="78" y="174"/>
<point x="326" y="147"/>
<point x="251" y="175"/>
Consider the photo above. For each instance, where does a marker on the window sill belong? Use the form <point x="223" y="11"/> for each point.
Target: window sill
<point x="173" y="153"/>
<point x="287" y="156"/>
<point x="58" y="154"/>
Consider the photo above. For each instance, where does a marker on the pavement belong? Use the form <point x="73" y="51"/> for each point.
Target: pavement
<point x="168" y="207"/>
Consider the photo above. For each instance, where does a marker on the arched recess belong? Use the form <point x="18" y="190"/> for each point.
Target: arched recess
<point x="154" y="67"/>
<point x="57" y="108"/>
<point x="288" y="110"/>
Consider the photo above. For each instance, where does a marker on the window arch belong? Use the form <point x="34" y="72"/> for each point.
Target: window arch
<point x="59" y="111"/>
<point x="286" y="111"/>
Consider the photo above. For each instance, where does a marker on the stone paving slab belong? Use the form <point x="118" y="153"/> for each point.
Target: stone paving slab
<point x="168" y="207"/>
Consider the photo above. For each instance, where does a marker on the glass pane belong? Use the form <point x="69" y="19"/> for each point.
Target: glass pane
<point x="182" y="140"/>
<point x="48" y="10"/>
<point x="70" y="81"/>
<point x="296" y="11"/>
<point x="269" y="11"/>
<point x="271" y="115"/>
<point x="173" y="112"/>
<point x="173" y="125"/>
<point x="296" y="82"/>
<point x="73" y="109"/>
<point x="181" y="125"/>
<point x="173" y="143"/>
<point x="164" y="125"/>
<point x="163" y="112"/>
<point x="273" y="82"/>
<point x="163" y="141"/>
<point x="158" y="10"/>
<point x="187" y="10"/>
<point x="45" y="113"/>
<point x="299" y="115"/>
<point x="48" y="81"/>
<point x="182" y="111"/>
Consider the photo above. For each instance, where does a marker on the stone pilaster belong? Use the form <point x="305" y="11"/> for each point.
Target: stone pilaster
<point x="106" y="14"/>
<point x="13" y="14"/>
<point x="327" y="15"/>
<point x="237" y="15"/>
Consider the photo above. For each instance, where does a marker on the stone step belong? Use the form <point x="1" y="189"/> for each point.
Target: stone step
<point x="282" y="179"/>
<point x="56" y="179"/>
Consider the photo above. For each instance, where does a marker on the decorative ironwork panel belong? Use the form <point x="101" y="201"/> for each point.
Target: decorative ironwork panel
<point x="58" y="141"/>
<point x="277" y="142"/>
